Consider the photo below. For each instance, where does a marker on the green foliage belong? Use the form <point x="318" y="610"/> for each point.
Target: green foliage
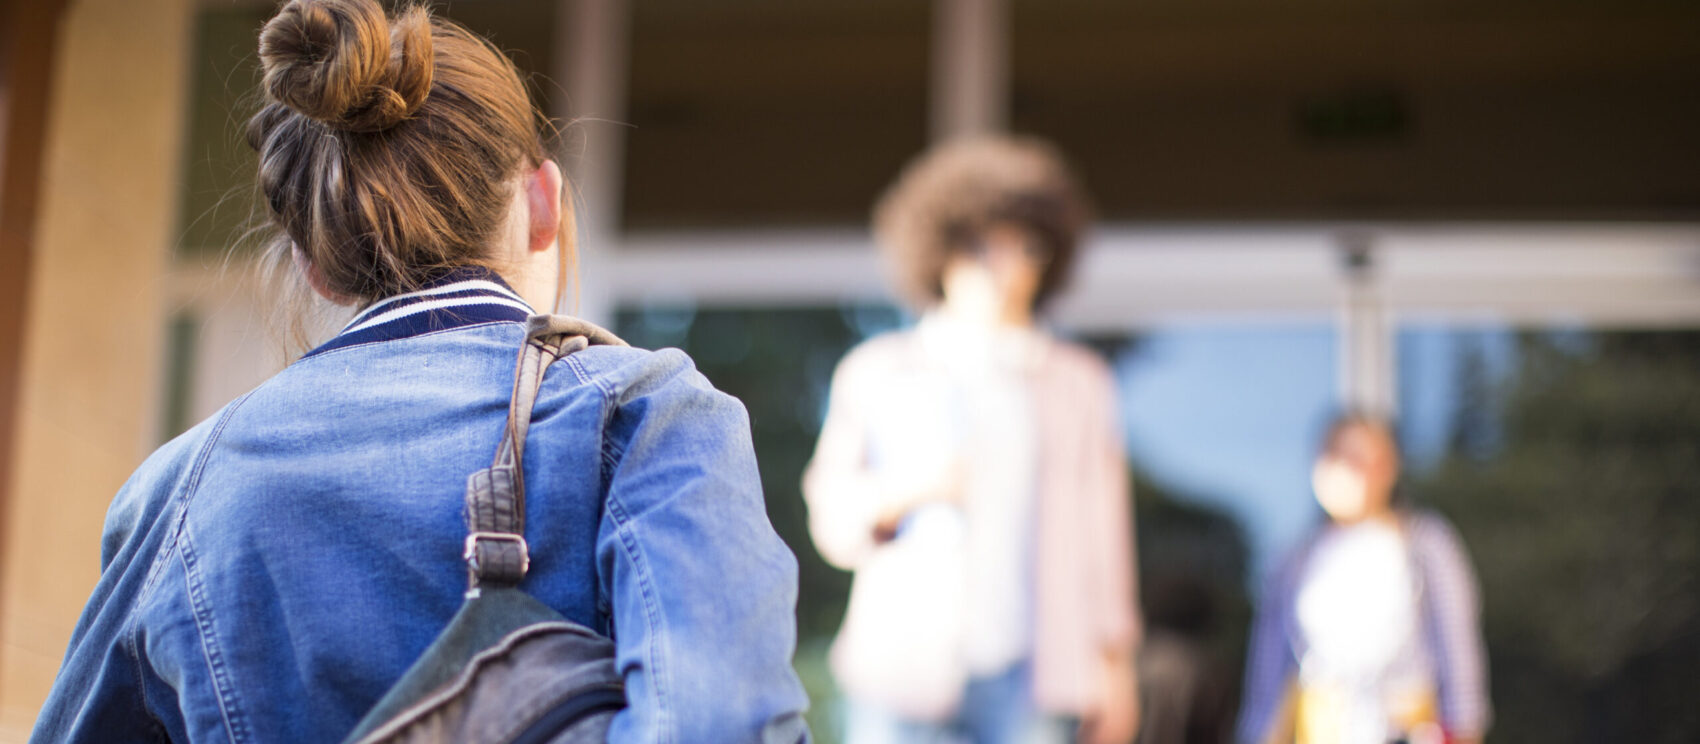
<point x="1192" y="578"/>
<point x="1193" y="561"/>
<point x="1572" y="481"/>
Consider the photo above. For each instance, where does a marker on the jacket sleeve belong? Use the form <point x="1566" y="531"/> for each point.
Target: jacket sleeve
<point x="1116" y="561"/>
<point x="98" y="695"/>
<point x="843" y="495"/>
<point x="1454" y="627"/>
<point x="1270" y="664"/>
<point x="702" y="591"/>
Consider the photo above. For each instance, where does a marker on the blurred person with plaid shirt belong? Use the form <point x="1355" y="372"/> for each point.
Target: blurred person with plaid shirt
<point x="1369" y="632"/>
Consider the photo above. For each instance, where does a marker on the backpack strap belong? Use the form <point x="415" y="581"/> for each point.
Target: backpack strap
<point x="496" y="552"/>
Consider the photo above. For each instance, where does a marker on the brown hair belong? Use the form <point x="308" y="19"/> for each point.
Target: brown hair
<point x="388" y="146"/>
<point x="1353" y="418"/>
<point x="944" y="199"/>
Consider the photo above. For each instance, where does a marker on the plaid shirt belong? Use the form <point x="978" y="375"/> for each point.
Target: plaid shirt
<point x="1451" y="612"/>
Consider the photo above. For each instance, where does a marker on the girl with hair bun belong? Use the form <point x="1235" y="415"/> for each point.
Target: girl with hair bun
<point x="267" y="575"/>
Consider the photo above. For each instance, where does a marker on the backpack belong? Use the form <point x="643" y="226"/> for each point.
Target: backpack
<point x="507" y="668"/>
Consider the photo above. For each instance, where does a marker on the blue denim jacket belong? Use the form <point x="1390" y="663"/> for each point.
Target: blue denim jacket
<point x="268" y="574"/>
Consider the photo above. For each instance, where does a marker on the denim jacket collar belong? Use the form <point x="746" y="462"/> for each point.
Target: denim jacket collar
<point x="468" y="295"/>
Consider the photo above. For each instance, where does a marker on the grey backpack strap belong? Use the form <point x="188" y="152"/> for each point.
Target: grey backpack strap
<point x="496" y="551"/>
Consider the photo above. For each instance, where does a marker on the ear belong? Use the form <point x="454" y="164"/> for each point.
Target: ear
<point x="543" y="199"/>
<point x="316" y="278"/>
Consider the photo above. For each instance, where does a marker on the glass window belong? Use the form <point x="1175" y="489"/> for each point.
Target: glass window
<point x="1221" y="422"/>
<point x="1228" y="417"/>
<point x="218" y="201"/>
<point x="1568" y="459"/>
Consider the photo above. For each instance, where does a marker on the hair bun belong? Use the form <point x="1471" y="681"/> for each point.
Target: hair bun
<point x="344" y="63"/>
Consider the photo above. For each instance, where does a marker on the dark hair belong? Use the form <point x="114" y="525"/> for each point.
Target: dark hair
<point x="1352" y="417"/>
<point x="388" y="146"/>
<point x="947" y="197"/>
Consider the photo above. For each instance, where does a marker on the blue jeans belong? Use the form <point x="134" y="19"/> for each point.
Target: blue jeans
<point x="994" y="710"/>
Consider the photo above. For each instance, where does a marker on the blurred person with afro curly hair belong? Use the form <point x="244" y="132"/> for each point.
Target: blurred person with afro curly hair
<point x="971" y="473"/>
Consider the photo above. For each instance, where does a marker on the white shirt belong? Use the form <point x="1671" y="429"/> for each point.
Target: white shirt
<point x="1359" y="611"/>
<point x="980" y="376"/>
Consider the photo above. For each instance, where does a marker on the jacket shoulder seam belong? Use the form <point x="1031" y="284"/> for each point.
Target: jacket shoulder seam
<point x="170" y="545"/>
<point x="657" y="624"/>
<point x="180" y="501"/>
<point x="128" y="643"/>
<point x="230" y="707"/>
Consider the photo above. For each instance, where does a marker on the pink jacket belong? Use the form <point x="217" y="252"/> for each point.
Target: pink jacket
<point x="1085" y="573"/>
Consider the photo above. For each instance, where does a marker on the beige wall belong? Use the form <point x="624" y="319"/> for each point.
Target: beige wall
<point x="92" y="354"/>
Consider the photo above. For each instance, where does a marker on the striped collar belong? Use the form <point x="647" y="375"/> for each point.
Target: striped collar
<point x="465" y="296"/>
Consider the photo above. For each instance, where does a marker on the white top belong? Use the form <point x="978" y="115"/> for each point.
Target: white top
<point x="1359" y="611"/>
<point x="971" y="404"/>
<point x="898" y="416"/>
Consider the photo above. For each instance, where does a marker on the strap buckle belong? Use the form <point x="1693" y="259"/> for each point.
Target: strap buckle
<point x="471" y="554"/>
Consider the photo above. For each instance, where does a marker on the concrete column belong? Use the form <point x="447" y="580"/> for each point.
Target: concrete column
<point x="27" y="35"/>
<point x="592" y="43"/>
<point x="970" y="49"/>
<point x="94" y="329"/>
